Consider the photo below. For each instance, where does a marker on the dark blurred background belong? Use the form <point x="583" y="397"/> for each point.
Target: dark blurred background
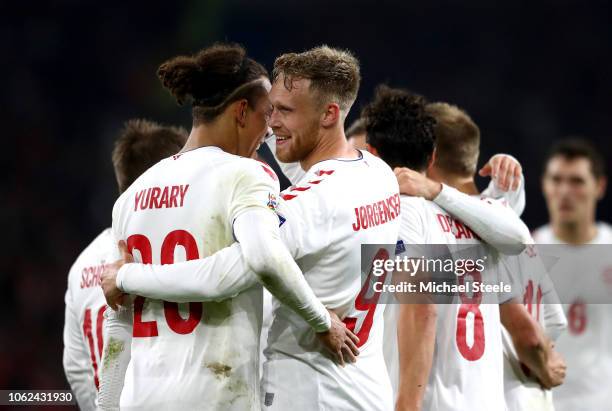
<point x="529" y="73"/>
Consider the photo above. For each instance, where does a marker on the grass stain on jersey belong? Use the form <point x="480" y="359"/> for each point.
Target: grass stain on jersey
<point x="112" y="351"/>
<point x="220" y="370"/>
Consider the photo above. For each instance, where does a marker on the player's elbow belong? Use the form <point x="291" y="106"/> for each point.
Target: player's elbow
<point x="515" y="238"/>
<point x="264" y="266"/>
<point x="510" y="248"/>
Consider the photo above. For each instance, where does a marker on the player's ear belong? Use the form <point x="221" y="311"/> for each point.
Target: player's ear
<point x="372" y="150"/>
<point x="331" y="115"/>
<point x="240" y="111"/>
<point x="432" y="160"/>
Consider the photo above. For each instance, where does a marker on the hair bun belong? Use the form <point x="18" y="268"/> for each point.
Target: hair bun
<point x="206" y="77"/>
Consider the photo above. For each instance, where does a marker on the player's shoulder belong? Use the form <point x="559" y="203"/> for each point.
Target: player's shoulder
<point x="413" y="204"/>
<point x="604" y="233"/>
<point x="258" y="168"/>
<point x="99" y="250"/>
<point x="375" y="161"/>
<point x="543" y="234"/>
<point x="417" y="212"/>
<point x="247" y="173"/>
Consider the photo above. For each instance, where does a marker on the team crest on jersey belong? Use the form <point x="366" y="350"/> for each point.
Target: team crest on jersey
<point x="272" y="202"/>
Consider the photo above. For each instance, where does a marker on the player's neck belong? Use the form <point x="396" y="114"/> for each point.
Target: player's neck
<point x="215" y="134"/>
<point x="464" y="184"/>
<point x="575" y="233"/>
<point x="331" y="144"/>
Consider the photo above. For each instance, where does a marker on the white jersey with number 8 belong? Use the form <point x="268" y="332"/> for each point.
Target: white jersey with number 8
<point x="467" y="367"/>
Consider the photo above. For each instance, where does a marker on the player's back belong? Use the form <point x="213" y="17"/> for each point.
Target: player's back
<point x="83" y="329"/>
<point x="583" y="282"/>
<point x="190" y="355"/>
<point x="467" y="369"/>
<point x="336" y="207"/>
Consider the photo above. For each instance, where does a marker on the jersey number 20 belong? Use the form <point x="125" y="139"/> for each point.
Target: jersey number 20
<point x="171" y="312"/>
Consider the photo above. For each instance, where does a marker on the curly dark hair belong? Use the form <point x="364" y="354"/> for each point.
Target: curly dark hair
<point x="399" y="128"/>
<point x="213" y="78"/>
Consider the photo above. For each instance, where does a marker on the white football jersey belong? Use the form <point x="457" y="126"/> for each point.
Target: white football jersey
<point x="193" y="355"/>
<point x="586" y="344"/>
<point x="84" y="319"/>
<point x="467" y="368"/>
<point x="522" y="390"/>
<point x="337" y="206"/>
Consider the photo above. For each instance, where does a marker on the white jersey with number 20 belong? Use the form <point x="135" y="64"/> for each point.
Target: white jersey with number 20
<point x="192" y="355"/>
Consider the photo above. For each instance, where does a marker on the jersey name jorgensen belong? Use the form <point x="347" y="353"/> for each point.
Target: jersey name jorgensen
<point x="375" y="214"/>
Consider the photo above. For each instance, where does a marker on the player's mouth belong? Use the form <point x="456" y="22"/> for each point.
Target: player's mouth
<point x="280" y="140"/>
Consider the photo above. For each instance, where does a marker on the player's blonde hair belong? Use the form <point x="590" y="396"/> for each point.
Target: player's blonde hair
<point x="457" y="139"/>
<point x="333" y="73"/>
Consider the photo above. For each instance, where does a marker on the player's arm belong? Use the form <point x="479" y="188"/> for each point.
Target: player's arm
<point x="416" y="335"/>
<point x="495" y="224"/>
<point x="555" y="321"/>
<point x="76" y="360"/>
<point x="218" y="277"/>
<point x="533" y="348"/>
<point x="118" y="326"/>
<point x="507" y="181"/>
<point x="255" y="225"/>
<point x="416" y="323"/>
<point x="115" y="356"/>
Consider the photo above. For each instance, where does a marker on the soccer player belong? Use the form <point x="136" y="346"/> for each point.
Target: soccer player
<point x="346" y="198"/>
<point x="139" y="146"/>
<point x="400" y="131"/>
<point x="205" y="355"/>
<point x="574" y="181"/>
<point x="522" y="388"/>
<point x="356" y="134"/>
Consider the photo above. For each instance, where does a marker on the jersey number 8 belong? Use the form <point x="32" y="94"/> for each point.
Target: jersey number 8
<point x="470" y="305"/>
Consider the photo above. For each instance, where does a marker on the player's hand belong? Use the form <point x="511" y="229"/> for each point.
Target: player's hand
<point x="114" y="296"/>
<point x="413" y="183"/>
<point x="504" y="170"/>
<point x="340" y="341"/>
<point x="555" y="373"/>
